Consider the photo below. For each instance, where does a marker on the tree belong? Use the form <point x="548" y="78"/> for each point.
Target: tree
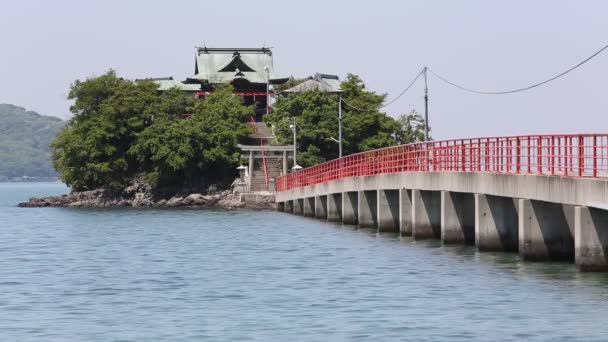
<point x="108" y="113"/>
<point x="197" y="150"/>
<point x="364" y="127"/>
<point x="411" y="128"/>
<point x="121" y="129"/>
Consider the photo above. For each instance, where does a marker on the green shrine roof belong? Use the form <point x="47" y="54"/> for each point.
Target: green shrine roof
<point x="223" y="65"/>
<point x="321" y="82"/>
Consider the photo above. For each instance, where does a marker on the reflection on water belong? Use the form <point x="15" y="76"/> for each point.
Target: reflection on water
<point x="191" y="275"/>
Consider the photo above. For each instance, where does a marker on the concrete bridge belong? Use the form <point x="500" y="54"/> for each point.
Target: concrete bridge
<point x="543" y="196"/>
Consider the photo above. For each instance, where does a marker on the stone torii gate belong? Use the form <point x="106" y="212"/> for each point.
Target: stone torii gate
<point x="277" y="160"/>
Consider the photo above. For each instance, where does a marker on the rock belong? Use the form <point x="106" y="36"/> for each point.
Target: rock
<point x="140" y="194"/>
<point x="175" y="202"/>
<point x="124" y="203"/>
<point x="194" y="199"/>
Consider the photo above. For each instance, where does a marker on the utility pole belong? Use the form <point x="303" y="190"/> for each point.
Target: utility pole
<point x="340" y="125"/>
<point x="267" y="88"/>
<point x="295" y="148"/>
<point x="426" y="107"/>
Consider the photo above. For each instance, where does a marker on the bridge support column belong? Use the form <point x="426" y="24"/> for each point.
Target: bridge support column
<point x="288" y="206"/>
<point x="309" y="207"/>
<point x="405" y="212"/>
<point x="496" y="223"/>
<point x="591" y="239"/>
<point x="426" y="214"/>
<point x="457" y="218"/>
<point x="546" y="231"/>
<point x="334" y="207"/>
<point x="388" y="211"/>
<point x="350" y="207"/>
<point x="321" y="207"/>
<point x="368" y="209"/>
<point x="298" y="206"/>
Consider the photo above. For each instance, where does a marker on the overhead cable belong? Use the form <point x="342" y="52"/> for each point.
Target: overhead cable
<point x="391" y="101"/>
<point x="519" y="89"/>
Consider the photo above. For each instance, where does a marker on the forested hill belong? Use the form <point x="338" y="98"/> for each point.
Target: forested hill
<point x="24" y="143"/>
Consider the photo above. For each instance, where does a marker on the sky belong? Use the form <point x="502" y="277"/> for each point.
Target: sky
<point x="486" y="45"/>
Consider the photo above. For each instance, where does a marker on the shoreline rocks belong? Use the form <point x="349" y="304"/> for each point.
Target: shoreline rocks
<point x="140" y="195"/>
<point x="91" y="199"/>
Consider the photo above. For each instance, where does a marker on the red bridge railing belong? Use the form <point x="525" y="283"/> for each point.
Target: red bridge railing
<point x="572" y="155"/>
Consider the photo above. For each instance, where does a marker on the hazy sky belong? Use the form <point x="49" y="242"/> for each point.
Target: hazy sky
<point x="490" y="45"/>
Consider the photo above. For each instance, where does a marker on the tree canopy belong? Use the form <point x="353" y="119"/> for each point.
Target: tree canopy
<point x="365" y="127"/>
<point x="122" y="128"/>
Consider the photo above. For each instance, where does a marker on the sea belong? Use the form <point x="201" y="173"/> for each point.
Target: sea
<point x="127" y="274"/>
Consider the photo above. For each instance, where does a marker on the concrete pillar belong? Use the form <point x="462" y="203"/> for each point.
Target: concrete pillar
<point x="288" y="206"/>
<point x="496" y="223"/>
<point x="334" y="207"/>
<point x="350" y="207"/>
<point x="457" y="218"/>
<point x="388" y="211"/>
<point x="368" y="209"/>
<point x="298" y="206"/>
<point x="426" y="214"/>
<point x="309" y="207"/>
<point x="591" y="239"/>
<point x="546" y="231"/>
<point x="321" y="207"/>
<point x="405" y="212"/>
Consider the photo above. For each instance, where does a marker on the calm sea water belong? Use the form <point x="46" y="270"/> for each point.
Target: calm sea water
<point x="216" y="275"/>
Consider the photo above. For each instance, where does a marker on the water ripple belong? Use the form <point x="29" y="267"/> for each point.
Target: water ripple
<point x="191" y="275"/>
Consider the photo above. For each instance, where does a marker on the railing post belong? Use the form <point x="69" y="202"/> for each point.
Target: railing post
<point x="487" y="156"/>
<point x="581" y="155"/>
<point x="497" y="154"/>
<point x="529" y="157"/>
<point x="552" y="156"/>
<point x="594" y="156"/>
<point x="462" y="155"/>
<point x="509" y="154"/>
<point x="479" y="155"/>
<point x="539" y="156"/>
<point x="518" y="160"/>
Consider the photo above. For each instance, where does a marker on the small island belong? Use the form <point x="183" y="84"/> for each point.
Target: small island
<point x="158" y="142"/>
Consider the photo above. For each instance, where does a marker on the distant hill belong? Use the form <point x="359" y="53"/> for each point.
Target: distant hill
<point x="24" y="143"/>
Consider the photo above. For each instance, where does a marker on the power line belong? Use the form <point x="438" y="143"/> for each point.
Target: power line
<point x="519" y="89"/>
<point x="391" y="101"/>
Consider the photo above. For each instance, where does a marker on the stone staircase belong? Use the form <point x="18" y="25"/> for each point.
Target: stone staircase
<point x="258" y="181"/>
<point x="274" y="166"/>
<point x="264" y="132"/>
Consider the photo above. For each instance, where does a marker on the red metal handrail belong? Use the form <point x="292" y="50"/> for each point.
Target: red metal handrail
<point x="265" y="167"/>
<point x="572" y="155"/>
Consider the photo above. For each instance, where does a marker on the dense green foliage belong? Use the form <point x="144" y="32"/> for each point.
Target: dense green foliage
<point x="365" y="127"/>
<point x="121" y="129"/>
<point x="203" y="147"/>
<point x="24" y="142"/>
<point x="411" y="128"/>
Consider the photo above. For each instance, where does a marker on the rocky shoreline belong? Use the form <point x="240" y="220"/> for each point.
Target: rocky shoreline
<point x="139" y="195"/>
